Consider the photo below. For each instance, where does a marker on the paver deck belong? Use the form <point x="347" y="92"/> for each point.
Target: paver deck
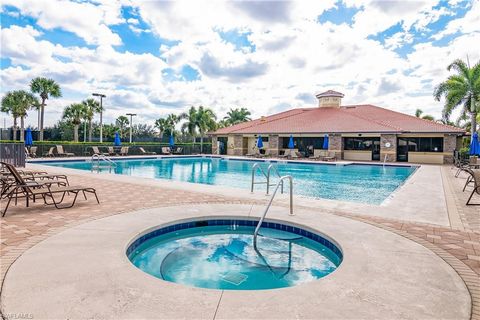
<point x="22" y="228"/>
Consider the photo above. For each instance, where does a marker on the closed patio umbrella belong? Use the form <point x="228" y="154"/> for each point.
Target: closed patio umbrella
<point x="325" y="142"/>
<point x="259" y="142"/>
<point x="28" y="138"/>
<point x="171" y="141"/>
<point x="291" y="144"/>
<point x="474" y="145"/>
<point x="117" y="142"/>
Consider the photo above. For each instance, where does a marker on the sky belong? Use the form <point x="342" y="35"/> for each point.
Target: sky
<point x="159" y="57"/>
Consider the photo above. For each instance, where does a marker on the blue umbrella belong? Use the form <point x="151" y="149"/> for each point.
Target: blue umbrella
<point x="28" y="138"/>
<point x="259" y="142"/>
<point x="474" y="145"/>
<point x="325" y="142"/>
<point x="117" y="142"/>
<point x="171" y="142"/>
<point x="291" y="145"/>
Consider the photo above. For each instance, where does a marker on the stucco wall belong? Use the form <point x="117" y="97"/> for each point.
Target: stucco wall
<point x="214" y="144"/>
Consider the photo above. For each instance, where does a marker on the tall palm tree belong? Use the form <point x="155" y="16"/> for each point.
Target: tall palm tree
<point x="122" y="123"/>
<point x="17" y="103"/>
<point x="167" y="125"/>
<point x="45" y="88"/>
<point x="74" y="114"/>
<point x="237" y="115"/>
<point x="461" y="90"/>
<point x="9" y="106"/>
<point x="419" y="114"/>
<point x="190" y="125"/>
<point x="92" y="107"/>
<point x="206" y="121"/>
<point x="24" y="101"/>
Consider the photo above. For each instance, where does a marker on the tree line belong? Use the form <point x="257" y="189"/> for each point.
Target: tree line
<point x="197" y="121"/>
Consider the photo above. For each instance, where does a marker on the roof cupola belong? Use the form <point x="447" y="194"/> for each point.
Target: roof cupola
<point x="329" y="98"/>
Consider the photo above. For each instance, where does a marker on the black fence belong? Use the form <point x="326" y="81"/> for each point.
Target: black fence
<point x="79" y="150"/>
<point x="13" y="153"/>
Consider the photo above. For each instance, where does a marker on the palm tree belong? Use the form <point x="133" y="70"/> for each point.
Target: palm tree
<point x="419" y="114"/>
<point x="17" y="103"/>
<point x="190" y="125"/>
<point x="45" y="88"/>
<point x="166" y="126"/>
<point x="74" y="114"/>
<point x="9" y="106"/>
<point x="122" y="122"/>
<point x="205" y="122"/>
<point x="237" y="115"/>
<point x="461" y="90"/>
<point x="91" y="108"/>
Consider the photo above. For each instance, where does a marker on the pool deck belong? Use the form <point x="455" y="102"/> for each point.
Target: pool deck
<point x="452" y="234"/>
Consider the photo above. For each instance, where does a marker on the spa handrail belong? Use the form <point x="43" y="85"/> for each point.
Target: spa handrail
<point x="280" y="182"/>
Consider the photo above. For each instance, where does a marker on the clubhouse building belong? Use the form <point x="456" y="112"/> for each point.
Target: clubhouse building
<point x="355" y="132"/>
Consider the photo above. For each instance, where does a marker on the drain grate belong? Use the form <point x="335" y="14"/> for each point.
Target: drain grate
<point x="235" y="278"/>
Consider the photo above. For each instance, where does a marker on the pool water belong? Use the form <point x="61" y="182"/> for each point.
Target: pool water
<point x="223" y="257"/>
<point x="356" y="183"/>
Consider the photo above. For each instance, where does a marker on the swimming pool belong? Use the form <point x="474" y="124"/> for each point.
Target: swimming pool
<point x="353" y="182"/>
<point x="219" y="254"/>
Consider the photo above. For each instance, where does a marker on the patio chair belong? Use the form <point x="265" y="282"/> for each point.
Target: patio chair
<point x="476" y="187"/>
<point x="50" y="152"/>
<point x="96" y="150"/>
<point x="330" y="156"/>
<point x="319" y="154"/>
<point x="166" y="150"/>
<point x="111" y="151"/>
<point x="32" y="189"/>
<point x="178" y="150"/>
<point x="146" y="152"/>
<point x="124" y="151"/>
<point x="33" y="152"/>
<point x="62" y="153"/>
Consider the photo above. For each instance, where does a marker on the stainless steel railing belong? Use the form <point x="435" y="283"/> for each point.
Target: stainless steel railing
<point x="279" y="183"/>
<point x="271" y="169"/>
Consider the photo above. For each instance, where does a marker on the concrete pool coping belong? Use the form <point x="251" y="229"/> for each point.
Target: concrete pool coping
<point x="421" y="198"/>
<point x="83" y="272"/>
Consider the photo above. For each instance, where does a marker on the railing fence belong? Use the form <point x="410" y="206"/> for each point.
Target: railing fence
<point x="13" y="153"/>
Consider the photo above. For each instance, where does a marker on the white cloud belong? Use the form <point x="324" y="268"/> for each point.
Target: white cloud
<point x="294" y="56"/>
<point x="86" y="20"/>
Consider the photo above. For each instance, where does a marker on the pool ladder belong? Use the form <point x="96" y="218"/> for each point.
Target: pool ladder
<point x="279" y="183"/>
<point x="101" y="157"/>
<point x="271" y="169"/>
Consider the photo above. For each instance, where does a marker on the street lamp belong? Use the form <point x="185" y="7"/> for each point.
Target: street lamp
<point x="131" y="124"/>
<point x="101" y="113"/>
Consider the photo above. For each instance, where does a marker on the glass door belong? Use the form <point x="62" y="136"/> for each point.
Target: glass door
<point x="376" y="149"/>
<point x="402" y="150"/>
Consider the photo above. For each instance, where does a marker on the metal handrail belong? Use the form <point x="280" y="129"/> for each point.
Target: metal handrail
<point x="255" y="234"/>
<point x="255" y="166"/>
<point x="102" y="157"/>
<point x="267" y="174"/>
<point x="275" y="169"/>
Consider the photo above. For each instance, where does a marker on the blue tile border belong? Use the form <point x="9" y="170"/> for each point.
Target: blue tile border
<point x="235" y="222"/>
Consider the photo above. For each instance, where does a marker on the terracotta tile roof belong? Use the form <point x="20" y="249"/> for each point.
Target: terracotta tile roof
<point x="346" y="119"/>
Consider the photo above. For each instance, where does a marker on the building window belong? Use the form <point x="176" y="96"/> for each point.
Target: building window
<point x="425" y="144"/>
<point x="360" y="143"/>
<point x="304" y="142"/>
<point x="264" y="139"/>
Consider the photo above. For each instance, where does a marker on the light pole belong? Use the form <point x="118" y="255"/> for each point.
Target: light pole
<point x="131" y="124"/>
<point x="101" y="113"/>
